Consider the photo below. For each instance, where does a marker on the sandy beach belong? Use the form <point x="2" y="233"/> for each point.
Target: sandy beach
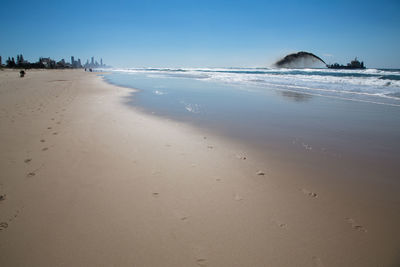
<point x="88" y="180"/>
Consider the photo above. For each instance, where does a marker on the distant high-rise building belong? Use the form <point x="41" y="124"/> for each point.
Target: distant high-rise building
<point x="0" y="60"/>
<point x="47" y="62"/>
<point x="79" y="63"/>
<point x="72" y="60"/>
<point x="20" y="59"/>
<point x="101" y="62"/>
<point x="92" y="61"/>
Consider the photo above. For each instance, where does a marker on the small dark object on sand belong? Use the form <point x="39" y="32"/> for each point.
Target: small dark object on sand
<point x="2" y="197"/>
<point x="21" y="73"/>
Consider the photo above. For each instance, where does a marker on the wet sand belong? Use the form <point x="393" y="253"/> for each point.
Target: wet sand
<point x="87" y="180"/>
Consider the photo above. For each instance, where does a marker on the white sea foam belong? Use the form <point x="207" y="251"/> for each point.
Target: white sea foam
<point x="380" y="85"/>
<point x="190" y="107"/>
<point x="158" y="92"/>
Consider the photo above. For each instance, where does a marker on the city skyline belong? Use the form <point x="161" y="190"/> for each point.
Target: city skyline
<point x="48" y="62"/>
<point x="203" y="34"/>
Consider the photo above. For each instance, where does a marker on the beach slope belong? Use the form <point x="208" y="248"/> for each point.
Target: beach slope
<point x="89" y="181"/>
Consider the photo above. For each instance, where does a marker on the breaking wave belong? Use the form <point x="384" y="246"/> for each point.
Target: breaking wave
<point x="372" y="85"/>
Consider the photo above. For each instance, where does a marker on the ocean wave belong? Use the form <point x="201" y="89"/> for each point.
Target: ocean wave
<point x="390" y="77"/>
<point x="374" y="83"/>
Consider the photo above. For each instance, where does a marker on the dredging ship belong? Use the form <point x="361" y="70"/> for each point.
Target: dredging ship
<point x="354" y="64"/>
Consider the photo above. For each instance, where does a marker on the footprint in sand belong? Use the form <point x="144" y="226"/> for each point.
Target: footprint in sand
<point x="14" y="217"/>
<point x="241" y="157"/>
<point x="317" y="262"/>
<point x="181" y="216"/>
<point x="49" y="128"/>
<point x="27" y="160"/>
<point x="201" y="262"/>
<point x="156" y="194"/>
<point x="237" y="197"/>
<point x="16" y="214"/>
<point x="210" y="147"/>
<point x="280" y="224"/>
<point x="3" y="225"/>
<point x="45" y="148"/>
<point x="55" y="133"/>
<point x="58" y="122"/>
<point x="42" y="140"/>
<point x="260" y="173"/>
<point x="355" y="225"/>
<point x="309" y="193"/>
<point x="31" y="174"/>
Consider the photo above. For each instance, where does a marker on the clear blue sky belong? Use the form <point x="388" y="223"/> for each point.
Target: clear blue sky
<point x="201" y="33"/>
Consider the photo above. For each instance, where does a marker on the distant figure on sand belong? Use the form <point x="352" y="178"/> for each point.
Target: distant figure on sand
<point x="21" y="73"/>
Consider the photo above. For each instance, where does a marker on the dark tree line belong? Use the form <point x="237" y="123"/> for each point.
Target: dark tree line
<point x="24" y="64"/>
<point x="10" y="63"/>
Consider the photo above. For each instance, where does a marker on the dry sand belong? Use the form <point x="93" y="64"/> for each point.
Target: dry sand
<point x="89" y="181"/>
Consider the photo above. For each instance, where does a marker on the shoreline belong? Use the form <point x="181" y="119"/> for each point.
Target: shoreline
<point x="110" y="185"/>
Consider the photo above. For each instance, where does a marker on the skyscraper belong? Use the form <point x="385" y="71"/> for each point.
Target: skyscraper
<point x="92" y="62"/>
<point x="72" y="61"/>
<point x="101" y="62"/>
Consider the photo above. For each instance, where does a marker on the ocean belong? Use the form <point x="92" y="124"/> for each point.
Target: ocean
<point x="379" y="86"/>
<point x="336" y="129"/>
<point x="306" y="113"/>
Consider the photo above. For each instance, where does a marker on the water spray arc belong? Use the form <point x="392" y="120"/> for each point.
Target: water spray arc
<point x="300" y="60"/>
